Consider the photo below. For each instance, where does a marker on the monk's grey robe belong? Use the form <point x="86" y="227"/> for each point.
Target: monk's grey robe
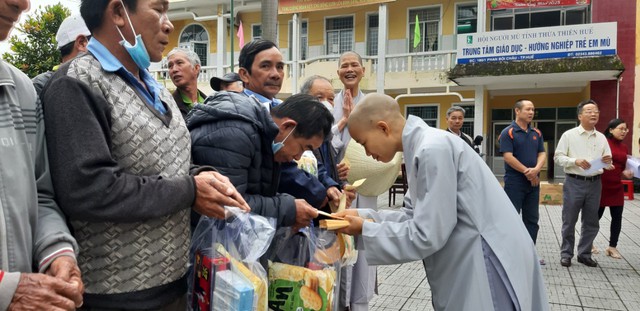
<point x="454" y="202"/>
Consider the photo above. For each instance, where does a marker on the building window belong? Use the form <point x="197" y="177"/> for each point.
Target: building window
<point x="429" y="23"/>
<point x="256" y="32"/>
<point x="339" y="35"/>
<point x="467" y="18"/>
<point x="372" y="35"/>
<point x="575" y="17"/>
<point x="538" y="17"/>
<point x="304" y="40"/>
<point x="502" y="115"/>
<point x="427" y="113"/>
<point x="469" y="113"/>
<point x="194" y="37"/>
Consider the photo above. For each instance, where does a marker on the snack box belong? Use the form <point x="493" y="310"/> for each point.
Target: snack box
<point x="232" y="292"/>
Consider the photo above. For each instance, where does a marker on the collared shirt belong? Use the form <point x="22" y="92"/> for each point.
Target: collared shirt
<point x="578" y="143"/>
<point x="524" y="144"/>
<point x="187" y="101"/>
<point x="110" y="63"/>
<point x="268" y="103"/>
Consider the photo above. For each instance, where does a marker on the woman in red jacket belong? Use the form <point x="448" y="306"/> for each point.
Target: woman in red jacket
<point x="612" y="189"/>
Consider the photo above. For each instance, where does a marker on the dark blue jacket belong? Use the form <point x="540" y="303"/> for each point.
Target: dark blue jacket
<point x="327" y="170"/>
<point x="302" y="185"/>
<point x="233" y="133"/>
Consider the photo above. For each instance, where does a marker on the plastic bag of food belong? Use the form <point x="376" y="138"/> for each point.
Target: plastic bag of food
<point x="302" y="271"/>
<point x="226" y="273"/>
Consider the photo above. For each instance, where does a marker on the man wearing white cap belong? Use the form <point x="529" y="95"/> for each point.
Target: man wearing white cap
<point x="72" y="38"/>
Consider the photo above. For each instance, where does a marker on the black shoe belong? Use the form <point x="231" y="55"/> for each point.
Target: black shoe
<point x="565" y="262"/>
<point x="587" y="261"/>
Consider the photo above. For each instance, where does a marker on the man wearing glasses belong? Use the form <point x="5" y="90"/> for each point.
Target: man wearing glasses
<point x="576" y="152"/>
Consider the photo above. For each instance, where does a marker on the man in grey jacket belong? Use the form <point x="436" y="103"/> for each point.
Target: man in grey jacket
<point x="33" y="232"/>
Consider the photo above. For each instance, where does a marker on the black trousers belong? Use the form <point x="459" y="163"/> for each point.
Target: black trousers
<point x="616" y="223"/>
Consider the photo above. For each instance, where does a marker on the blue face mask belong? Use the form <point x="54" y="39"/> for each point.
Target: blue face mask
<point x="277" y="146"/>
<point x="138" y="52"/>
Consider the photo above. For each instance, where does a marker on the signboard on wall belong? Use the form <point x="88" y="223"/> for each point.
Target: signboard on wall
<point x="519" y="4"/>
<point x="538" y="43"/>
<point x="298" y="6"/>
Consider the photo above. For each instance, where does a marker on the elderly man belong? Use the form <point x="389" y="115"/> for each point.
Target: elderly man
<point x="33" y="232"/>
<point x="120" y="158"/>
<point x="230" y="82"/>
<point x="72" y="39"/>
<point x="322" y="89"/>
<point x="184" y="69"/>
<point x="577" y="149"/>
<point x="455" y="120"/>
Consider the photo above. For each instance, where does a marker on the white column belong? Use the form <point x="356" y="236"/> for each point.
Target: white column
<point x="478" y="118"/>
<point x="295" y="53"/>
<point x="222" y="51"/>
<point x="382" y="47"/>
<point x="482" y="16"/>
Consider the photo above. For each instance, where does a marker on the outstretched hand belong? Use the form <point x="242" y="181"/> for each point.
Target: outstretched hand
<point x="214" y="191"/>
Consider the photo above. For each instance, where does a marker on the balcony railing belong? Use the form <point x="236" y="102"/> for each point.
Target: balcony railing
<point x="409" y="62"/>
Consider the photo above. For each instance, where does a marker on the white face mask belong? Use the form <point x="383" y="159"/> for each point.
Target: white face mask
<point x="328" y="105"/>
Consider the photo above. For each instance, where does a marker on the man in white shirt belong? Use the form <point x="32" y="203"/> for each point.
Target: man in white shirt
<point x="581" y="192"/>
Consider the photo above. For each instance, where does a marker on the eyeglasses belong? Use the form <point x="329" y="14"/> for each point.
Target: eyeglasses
<point x="591" y="112"/>
<point x="623" y="129"/>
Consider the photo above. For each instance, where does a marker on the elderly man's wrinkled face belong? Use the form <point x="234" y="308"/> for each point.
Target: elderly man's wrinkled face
<point x="350" y="71"/>
<point x="323" y="91"/>
<point x="181" y="71"/>
<point x="455" y="120"/>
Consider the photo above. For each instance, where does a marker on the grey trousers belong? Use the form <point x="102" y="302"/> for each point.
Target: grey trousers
<point x="580" y="196"/>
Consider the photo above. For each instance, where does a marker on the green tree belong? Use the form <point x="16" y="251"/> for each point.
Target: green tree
<point x="34" y="50"/>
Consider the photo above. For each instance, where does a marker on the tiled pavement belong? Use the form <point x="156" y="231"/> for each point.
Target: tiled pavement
<point x="613" y="285"/>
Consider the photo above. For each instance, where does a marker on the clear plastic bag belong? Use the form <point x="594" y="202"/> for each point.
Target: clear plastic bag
<point x="226" y="273"/>
<point x="302" y="270"/>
